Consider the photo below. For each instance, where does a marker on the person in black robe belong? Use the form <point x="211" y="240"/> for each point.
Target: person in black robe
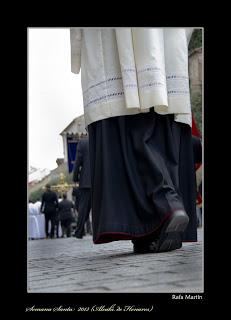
<point x="143" y="181"/>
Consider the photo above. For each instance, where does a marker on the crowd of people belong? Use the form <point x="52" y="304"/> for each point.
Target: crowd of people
<point x="60" y="216"/>
<point x="65" y="212"/>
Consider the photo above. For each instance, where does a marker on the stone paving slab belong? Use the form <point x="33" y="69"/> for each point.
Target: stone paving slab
<point x="78" y="265"/>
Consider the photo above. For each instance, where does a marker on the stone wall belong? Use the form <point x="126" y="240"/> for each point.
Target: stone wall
<point x="195" y="70"/>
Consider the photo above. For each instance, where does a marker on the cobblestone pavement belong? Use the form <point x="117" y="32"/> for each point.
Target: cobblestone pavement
<point x="78" y="265"/>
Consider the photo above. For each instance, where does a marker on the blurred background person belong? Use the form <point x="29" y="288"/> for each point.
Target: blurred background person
<point x="81" y="174"/>
<point x="49" y="207"/>
<point x="66" y="208"/>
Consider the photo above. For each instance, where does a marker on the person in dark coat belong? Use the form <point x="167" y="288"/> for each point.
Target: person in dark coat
<point x="81" y="174"/>
<point x="76" y="195"/>
<point x="49" y="208"/>
<point x="66" y="208"/>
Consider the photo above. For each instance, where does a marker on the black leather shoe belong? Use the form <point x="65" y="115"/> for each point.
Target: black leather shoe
<point x="79" y="237"/>
<point x="169" y="238"/>
<point x="145" y="247"/>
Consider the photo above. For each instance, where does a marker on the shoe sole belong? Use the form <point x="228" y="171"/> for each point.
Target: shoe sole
<point x="170" y="238"/>
<point x="171" y="241"/>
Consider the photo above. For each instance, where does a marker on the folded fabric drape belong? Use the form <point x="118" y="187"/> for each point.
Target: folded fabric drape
<point x="154" y="66"/>
<point x="129" y="70"/>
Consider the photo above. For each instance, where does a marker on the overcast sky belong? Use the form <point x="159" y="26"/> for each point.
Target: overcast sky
<point x="55" y="95"/>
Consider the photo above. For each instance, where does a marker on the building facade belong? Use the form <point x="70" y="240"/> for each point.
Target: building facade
<point x="71" y="135"/>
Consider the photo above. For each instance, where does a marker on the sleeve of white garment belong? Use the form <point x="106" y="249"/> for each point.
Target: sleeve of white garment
<point x="185" y="118"/>
<point x="75" y="37"/>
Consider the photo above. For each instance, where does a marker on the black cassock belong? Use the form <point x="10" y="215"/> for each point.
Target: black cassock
<point x="142" y="169"/>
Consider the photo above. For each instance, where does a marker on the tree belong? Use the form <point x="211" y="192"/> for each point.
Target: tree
<point x="196" y="40"/>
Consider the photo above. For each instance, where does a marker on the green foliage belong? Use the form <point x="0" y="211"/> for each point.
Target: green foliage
<point x="69" y="178"/>
<point x="54" y="181"/>
<point x="196" y="40"/>
<point x="36" y="195"/>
